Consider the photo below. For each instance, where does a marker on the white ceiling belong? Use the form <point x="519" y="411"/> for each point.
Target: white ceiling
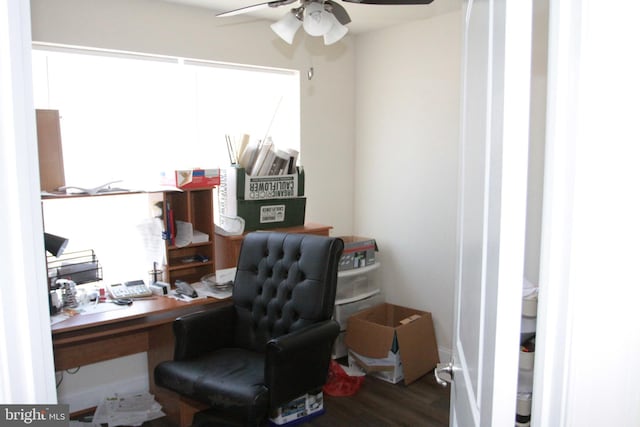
<point x="364" y="17"/>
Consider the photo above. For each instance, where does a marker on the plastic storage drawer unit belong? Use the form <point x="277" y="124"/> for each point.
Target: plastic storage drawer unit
<point x="342" y="312"/>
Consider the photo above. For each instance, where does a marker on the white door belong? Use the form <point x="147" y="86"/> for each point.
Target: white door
<point x="491" y="217"/>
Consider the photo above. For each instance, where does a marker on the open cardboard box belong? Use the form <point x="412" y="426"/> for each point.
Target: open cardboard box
<point x="382" y="332"/>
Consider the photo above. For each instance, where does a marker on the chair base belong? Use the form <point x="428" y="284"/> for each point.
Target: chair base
<point x="180" y="410"/>
<point x="212" y="418"/>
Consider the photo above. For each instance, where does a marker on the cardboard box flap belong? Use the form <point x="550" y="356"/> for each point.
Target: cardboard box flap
<point x="371" y="340"/>
<point x="417" y="352"/>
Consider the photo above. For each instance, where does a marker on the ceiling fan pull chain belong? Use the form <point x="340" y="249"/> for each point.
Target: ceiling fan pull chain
<point x="310" y="71"/>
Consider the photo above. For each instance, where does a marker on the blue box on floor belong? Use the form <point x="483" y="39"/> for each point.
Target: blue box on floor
<point x="299" y="410"/>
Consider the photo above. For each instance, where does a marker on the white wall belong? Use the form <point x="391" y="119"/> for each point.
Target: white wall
<point x="151" y="26"/>
<point x="406" y="170"/>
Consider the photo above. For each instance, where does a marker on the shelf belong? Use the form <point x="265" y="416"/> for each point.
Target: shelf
<point x="190" y="245"/>
<point x="195" y="207"/>
<point x="55" y="196"/>
<point x="358" y="271"/>
<point x="189" y="265"/>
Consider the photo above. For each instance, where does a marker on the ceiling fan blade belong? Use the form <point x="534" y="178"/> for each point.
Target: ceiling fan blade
<point x="390" y="2"/>
<point x="258" y="6"/>
<point x="339" y="12"/>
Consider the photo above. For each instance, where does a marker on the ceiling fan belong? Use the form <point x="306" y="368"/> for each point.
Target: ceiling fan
<point x="325" y="18"/>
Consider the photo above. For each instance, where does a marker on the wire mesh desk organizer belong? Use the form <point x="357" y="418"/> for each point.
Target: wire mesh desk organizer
<point x="71" y="269"/>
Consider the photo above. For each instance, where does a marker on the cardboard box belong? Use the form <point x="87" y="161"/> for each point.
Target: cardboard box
<point x="387" y="368"/>
<point x="299" y="410"/>
<point x="235" y="183"/>
<point x="274" y="213"/>
<point x="252" y="199"/>
<point x="358" y="252"/>
<point x="50" y="150"/>
<point x="406" y="333"/>
<point x="190" y="179"/>
<point x="339" y="349"/>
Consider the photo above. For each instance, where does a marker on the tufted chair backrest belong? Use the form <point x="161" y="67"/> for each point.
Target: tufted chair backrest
<point x="283" y="283"/>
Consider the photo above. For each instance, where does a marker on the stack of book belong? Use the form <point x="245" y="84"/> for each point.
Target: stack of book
<point x="264" y="187"/>
<point x="262" y="158"/>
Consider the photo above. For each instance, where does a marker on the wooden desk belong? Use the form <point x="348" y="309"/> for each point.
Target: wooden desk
<point x="144" y="326"/>
<point x="228" y="247"/>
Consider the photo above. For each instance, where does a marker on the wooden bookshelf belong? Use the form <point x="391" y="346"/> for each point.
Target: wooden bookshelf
<point x="195" y="207"/>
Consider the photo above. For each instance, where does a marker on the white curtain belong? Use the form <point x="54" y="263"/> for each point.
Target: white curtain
<point x="26" y="356"/>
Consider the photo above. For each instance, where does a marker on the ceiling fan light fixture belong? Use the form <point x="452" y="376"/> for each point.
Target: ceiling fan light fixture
<point x="317" y="21"/>
<point x="336" y="32"/>
<point x="287" y="27"/>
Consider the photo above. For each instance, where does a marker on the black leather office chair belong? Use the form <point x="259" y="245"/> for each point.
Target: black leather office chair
<point x="272" y="344"/>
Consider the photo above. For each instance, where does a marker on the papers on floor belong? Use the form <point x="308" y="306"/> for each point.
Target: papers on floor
<point x="127" y="410"/>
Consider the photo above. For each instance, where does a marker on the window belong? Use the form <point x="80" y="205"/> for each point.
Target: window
<point x="128" y="117"/>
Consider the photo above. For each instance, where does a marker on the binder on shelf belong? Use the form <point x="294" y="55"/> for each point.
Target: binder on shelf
<point x="169" y="233"/>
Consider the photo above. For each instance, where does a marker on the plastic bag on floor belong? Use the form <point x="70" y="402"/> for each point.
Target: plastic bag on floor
<point x="340" y="383"/>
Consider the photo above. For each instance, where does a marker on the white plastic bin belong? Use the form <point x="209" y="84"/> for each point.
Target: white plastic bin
<point x="356" y="282"/>
<point x="342" y="311"/>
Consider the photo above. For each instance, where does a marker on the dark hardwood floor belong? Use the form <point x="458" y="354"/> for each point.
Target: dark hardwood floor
<point x="421" y="404"/>
<point x="380" y="404"/>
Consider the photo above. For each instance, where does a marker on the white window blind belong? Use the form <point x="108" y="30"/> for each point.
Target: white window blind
<point x="128" y="117"/>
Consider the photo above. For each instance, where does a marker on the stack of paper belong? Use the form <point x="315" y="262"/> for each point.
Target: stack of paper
<point x="186" y="234"/>
<point x="262" y="157"/>
<point x="199" y="237"/>
<point x="127" y="410"/>
<point x="219" y="285"/>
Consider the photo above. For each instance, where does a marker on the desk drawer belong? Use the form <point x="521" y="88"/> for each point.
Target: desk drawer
<point x="107" y="348"/>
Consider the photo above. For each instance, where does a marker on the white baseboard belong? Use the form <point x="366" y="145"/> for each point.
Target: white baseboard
<point x="444" y="354"/>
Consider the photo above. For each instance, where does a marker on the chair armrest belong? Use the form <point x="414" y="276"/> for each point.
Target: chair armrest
<point x="203" y="331"/>
<point x="299" y="362"/>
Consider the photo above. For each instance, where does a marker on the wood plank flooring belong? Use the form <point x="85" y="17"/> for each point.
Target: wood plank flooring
<point x="421" y="404"/>
<point x="380" y="404"/>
